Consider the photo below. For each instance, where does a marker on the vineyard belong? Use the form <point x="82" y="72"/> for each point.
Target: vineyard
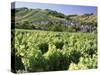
<point x="37" y="50"/>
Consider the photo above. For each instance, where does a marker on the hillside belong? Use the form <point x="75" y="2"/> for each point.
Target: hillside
<point x="52" y="20"/>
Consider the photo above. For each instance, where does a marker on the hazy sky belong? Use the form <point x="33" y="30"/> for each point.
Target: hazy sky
<point x="66" y="9"/>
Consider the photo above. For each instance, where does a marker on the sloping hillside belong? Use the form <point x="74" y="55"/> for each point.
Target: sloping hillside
<point x="46" y="19"/>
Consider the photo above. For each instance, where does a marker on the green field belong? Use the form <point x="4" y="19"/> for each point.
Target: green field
<point x="37" y="50"/>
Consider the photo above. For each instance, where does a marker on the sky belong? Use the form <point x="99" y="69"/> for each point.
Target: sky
<point x="65" y="9"/>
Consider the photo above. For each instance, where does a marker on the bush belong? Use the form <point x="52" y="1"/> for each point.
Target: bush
<point x="56" y="60"/>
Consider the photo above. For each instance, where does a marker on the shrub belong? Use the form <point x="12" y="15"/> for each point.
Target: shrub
<point x="56" y="60"/>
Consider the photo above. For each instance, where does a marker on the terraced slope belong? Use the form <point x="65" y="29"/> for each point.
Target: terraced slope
<point x="34" y="15"/>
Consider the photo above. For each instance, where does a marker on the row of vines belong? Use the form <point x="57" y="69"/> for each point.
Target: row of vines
<point x="35" y="51"/>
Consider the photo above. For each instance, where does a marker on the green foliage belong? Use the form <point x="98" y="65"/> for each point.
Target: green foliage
<point x="85" y="63"/>
<point x="74" y="56"/>
<point x="56" y="60"/>
<point x="36" y="61"/>
<point x="43" y="47"/>
<point x="59" y="45"/>
<point x="51" y="51"/>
